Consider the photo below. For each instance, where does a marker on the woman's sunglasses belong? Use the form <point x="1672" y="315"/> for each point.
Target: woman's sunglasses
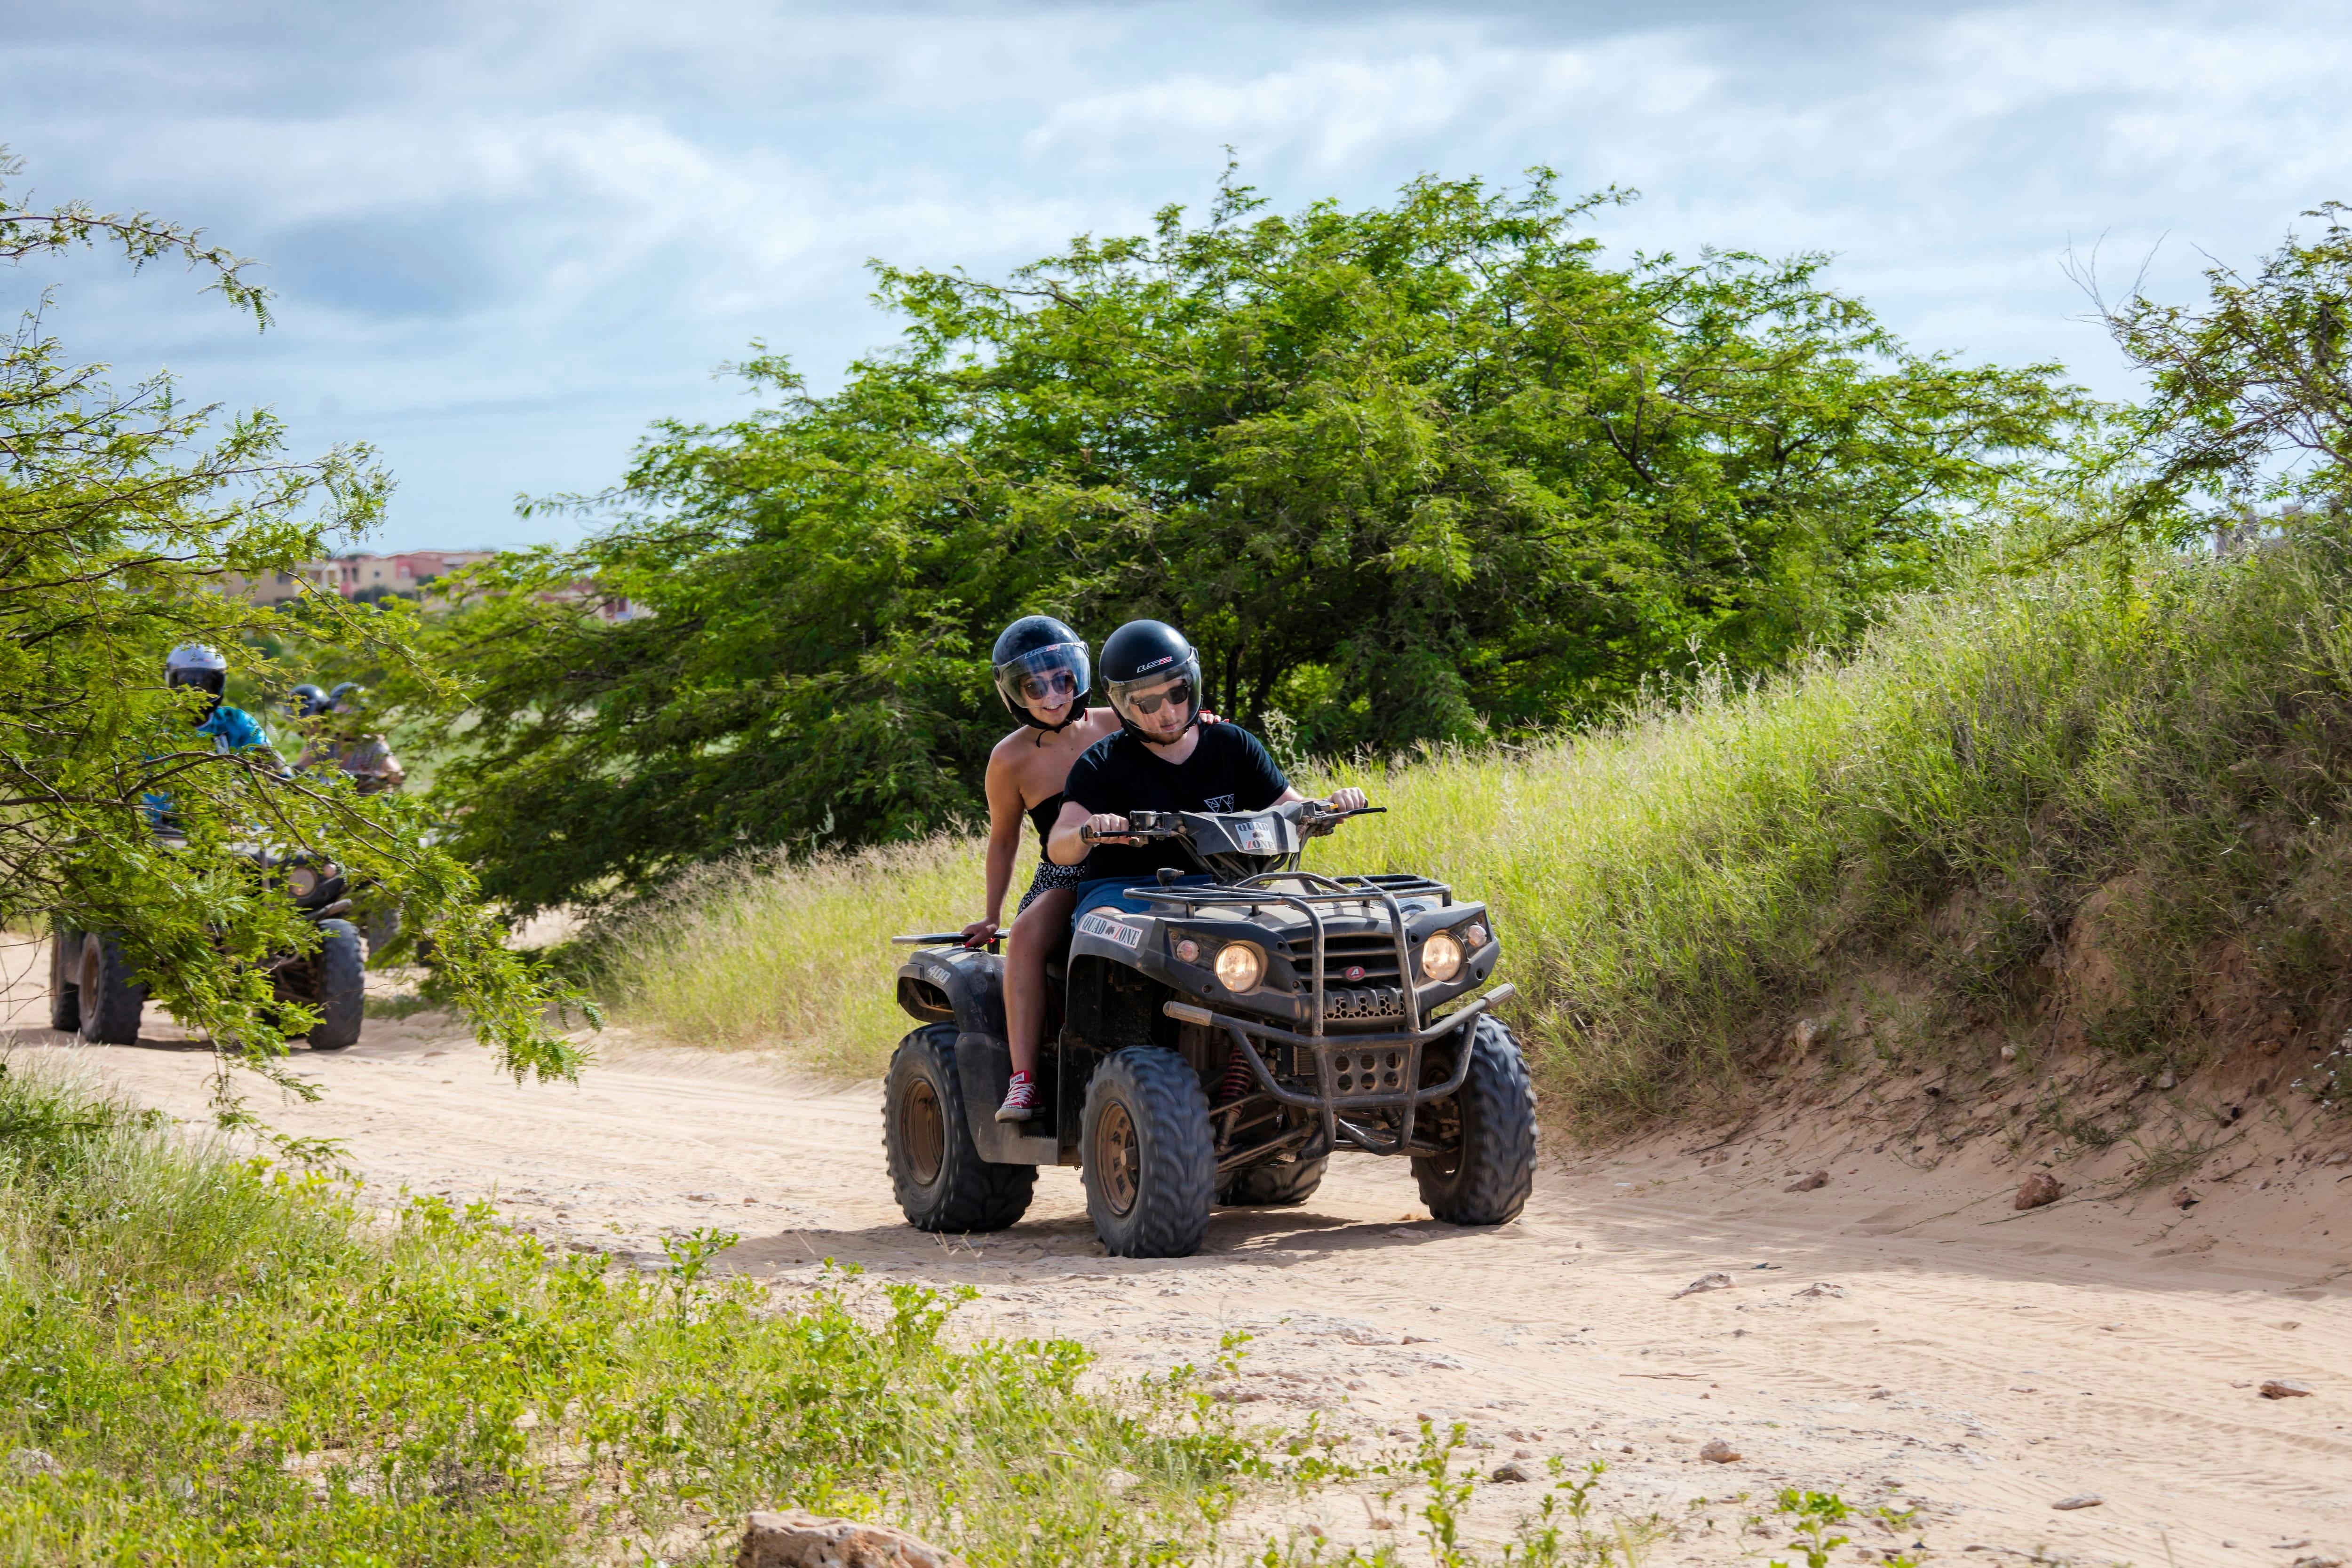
<point x="1181" y="693"/>
<point x="1053" y="685"/>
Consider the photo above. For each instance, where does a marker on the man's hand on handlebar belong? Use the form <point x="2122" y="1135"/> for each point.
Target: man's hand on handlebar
<point x="1106" y="828"/>
<point x="1340" y="801"/>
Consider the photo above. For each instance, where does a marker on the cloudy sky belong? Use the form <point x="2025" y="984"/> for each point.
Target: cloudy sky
<point x="508" y="236"/>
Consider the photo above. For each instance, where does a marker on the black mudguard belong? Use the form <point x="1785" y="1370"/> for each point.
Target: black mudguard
<point x="965" y="986"/>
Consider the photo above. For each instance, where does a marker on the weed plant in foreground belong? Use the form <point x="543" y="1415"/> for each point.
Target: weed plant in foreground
<point x="205" y="1361"/>
<point x="231" y="1365"/>
<point x="2161" y="748"/>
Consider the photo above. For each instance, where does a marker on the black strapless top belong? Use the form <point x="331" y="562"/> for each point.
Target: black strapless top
<point x="1045" y="813"/>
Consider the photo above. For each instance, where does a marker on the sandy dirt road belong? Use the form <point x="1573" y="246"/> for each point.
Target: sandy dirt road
<point x="1960" y="1359"/>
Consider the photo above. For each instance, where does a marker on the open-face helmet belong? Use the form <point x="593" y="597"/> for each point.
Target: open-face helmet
<point x="349" y="698"/>
<point x="1037" y="660"/>
<point x="195" y="665"/>
<point x="306" y="701"/>
<point x="1146" y="664"/>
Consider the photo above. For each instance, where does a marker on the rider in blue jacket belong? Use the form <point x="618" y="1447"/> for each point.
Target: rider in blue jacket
<point x="232" y="729"/>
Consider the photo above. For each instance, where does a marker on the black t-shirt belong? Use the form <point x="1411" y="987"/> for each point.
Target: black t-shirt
<point x="1228" y="771"/>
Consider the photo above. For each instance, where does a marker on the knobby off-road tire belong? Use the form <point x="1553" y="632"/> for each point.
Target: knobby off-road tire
<point x="1149" y="1156"/>
<point x="1488" y="1180"/>
<point x="940" y="1180"/>
<point x="1273" y="1184"/>
<point x="343" y="987"/>
<point x="65" y="979"/>
<point x="109" y="995"/>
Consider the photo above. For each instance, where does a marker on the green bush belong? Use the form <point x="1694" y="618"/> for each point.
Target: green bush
<point x="1432" y="470"/>
<point x="2171" y="741"/>
<point x="229" y="1363"/>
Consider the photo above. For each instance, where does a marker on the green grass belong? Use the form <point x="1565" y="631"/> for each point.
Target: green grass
<point x="1948" y="799"/>
<point x="207" y="1360"/>
<point x="232" y="1364"/>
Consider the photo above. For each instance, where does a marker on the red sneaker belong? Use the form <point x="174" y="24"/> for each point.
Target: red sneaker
<point x="1020" y="1100"/>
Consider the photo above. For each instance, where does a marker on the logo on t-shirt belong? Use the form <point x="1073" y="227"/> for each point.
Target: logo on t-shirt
<point x="1218" y="803"/>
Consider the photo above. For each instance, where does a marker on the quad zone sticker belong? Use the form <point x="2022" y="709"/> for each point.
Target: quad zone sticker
<point x="1117" y="931"/>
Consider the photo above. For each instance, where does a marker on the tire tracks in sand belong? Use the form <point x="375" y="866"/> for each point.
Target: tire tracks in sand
<point x="1979" y="1373"/>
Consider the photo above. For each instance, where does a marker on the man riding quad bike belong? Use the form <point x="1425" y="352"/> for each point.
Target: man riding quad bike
<point x="1215" y="1033"/>
<point x="93" y="991"/>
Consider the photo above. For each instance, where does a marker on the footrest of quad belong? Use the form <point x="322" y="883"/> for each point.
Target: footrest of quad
<point x="984" y="1067"/>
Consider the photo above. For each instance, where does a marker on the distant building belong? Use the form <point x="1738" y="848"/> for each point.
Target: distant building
<point x="358" y="576"/>
<point x="350" y="576"/>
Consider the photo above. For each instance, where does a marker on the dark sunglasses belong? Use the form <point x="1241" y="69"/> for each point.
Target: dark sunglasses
<point x="1052" y="683"/>
<point x="1181" y="694"/>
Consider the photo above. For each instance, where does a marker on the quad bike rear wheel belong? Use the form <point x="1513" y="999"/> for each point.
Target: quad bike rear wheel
<point x="936" y="1173"/>
<point x="1149" y="1156"/>
<point x="1273" y="1184"/>
<point x="343" y="987"/>
<point x="108" y="995"/>
<point x="65" y="979"/>
<point x="1486" y="1178"/>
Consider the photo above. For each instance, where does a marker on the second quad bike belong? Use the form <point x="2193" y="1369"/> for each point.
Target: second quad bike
<point x="94" y="993"/>
<point x="1219" y="1048"/>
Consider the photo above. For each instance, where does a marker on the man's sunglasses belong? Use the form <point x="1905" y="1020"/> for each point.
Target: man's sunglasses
<point x="1048" y="687"/>
<point x="1181" y="694"/>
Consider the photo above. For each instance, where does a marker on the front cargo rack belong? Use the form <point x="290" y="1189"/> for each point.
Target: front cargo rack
<point x="1313" y="889"/>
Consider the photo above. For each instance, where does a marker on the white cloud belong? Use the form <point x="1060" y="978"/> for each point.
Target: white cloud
<point x="510" y="235"/>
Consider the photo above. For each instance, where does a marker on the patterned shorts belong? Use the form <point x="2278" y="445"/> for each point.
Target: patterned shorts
<point x="1049" y="877"/>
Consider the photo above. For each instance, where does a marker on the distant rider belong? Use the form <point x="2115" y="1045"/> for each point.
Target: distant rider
<point x="363" y="757"/>
<point x="230" y="729"/>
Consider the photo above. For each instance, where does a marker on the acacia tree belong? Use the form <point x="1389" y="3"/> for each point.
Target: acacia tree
<point x="2250" y="392"/>
<point x="1428" y="471"/>
<point x="121" y="508"/>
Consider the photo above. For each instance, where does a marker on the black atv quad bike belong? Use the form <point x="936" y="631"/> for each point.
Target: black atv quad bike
<point x="1218" y="1049"/>
<point x="93" y="992"/>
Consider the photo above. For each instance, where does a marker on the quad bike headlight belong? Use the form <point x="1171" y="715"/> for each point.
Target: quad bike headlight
<point x="303" y="881"/>
<point x="1240" y="967"/>
<point x="1441" y="956"/>
<point x="1474" y="936"/>
<point x="1188" y="951"/>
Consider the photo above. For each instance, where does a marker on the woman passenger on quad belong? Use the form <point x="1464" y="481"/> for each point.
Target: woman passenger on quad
<point x="1044" y="675"/>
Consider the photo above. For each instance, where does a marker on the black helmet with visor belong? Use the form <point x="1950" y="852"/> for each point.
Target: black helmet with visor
<point x="1145" y="664"/>
<point x="1039" y="660"/>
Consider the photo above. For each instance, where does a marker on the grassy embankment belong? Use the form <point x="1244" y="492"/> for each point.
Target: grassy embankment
<point x="2171" y="749"/>
<point x="217" y="1363"/>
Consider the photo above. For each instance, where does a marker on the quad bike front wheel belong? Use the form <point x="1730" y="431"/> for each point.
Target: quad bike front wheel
<point x="1487" y="1177"/>
<point x="108" y="994"/>
<point x="936" y="1173"/>
<point x="1274" y="1184"/>
<point x="1149" y="1156"/>
<point x="343" y="987"/>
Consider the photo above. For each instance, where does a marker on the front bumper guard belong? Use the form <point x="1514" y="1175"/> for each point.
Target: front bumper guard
<point x="1329" y="1101"/>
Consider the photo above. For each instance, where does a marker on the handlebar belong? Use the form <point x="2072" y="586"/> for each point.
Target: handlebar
<point x="940" y="939"/>
<point x="1140" y="825"/>
<point x="1147" y="825"/>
